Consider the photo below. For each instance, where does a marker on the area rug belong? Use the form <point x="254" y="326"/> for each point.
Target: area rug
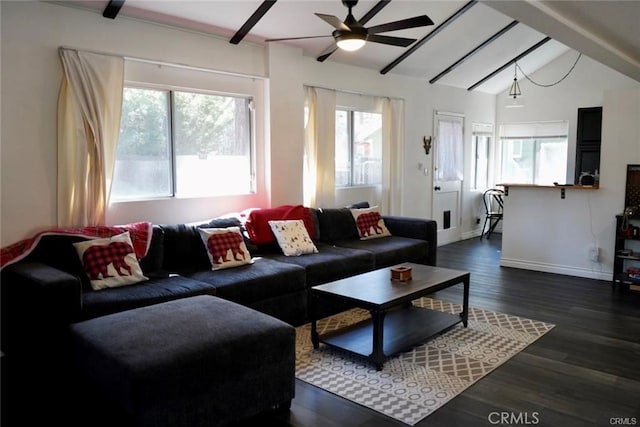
<point x="414" y="384"/>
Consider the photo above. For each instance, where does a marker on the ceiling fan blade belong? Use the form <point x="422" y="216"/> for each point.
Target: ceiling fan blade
<point x="394" y="41"/>
<point x="416" y="21"/>
<point x="297" y="38"/>
<point x="327" y="52"/>
<point x="334" y="21"/>
<point x="373" y="11"/>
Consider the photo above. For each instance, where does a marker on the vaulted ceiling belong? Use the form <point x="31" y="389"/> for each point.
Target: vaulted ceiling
<point x="471" y="44"/>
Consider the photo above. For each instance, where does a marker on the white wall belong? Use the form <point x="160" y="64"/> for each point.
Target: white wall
<point x="543" y="232"/>
<point x="31" y="75"/>
<point x="584" y="87"/>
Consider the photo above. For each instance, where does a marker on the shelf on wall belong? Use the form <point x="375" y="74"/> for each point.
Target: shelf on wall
<point x="562" y="188"/>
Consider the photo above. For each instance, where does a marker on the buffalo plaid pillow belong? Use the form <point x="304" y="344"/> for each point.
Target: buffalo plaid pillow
<point x="225" y="247"/>
<point x="110" y="262"/>
<point x="370" y="223"/>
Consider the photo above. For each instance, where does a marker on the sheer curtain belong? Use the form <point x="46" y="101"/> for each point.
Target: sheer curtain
<point x="390" y="192"/>
<point x="89" y="109"/>
<point x="450" y="148"/>
<point x="320" y="147"/>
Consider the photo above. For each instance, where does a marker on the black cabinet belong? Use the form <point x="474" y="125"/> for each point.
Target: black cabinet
<point x="588" y="139"/>
<point x="626" y="265"/>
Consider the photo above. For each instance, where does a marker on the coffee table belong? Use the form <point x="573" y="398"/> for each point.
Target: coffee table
<point x="395" y="324"/>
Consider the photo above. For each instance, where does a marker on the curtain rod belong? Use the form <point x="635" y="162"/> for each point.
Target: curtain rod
<point x="164" y="63"/>
<point x="353" y="92"/>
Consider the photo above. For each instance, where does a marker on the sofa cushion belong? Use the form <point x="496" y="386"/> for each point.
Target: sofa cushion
<point x="358" y="205"/>
<point x="183" y="249"/>
<point x="292" y="237"/>
<point x="369" y="223"/>
<point x="153" y="291"/>
<point x="151" y="264"/>
<point x="331" y="263"/>
<point x="392" y="250"/>
<point x="336" y="224"/>
<point x="58" y="251"/>
<point x="263" y="279"/>
<point x="110" y="262"/>
<point x="225" y="247"/>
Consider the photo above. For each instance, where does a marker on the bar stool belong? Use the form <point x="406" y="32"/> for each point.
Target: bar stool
<point x="493" y="206"/>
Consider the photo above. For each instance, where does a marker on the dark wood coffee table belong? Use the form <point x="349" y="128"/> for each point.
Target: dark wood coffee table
<point x="395" y="324"/>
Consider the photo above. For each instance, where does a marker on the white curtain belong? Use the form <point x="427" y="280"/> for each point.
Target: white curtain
<point x="89" y="109"/>
<point x="449" y="149"/>
<point x="392" y="148"/>
<point x="320" y="147"/>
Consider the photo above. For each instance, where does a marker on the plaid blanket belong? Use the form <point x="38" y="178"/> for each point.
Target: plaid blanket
<point x="140" y="233"/>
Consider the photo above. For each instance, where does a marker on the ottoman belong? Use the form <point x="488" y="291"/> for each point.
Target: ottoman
<point x="198" y="361"/>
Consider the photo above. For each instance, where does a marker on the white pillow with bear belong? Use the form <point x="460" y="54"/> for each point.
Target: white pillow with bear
<point x="370" y="223"/>
<point x="110" y="262"/>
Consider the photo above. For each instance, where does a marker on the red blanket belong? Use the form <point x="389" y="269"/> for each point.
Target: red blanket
<point x="140" y="233"/>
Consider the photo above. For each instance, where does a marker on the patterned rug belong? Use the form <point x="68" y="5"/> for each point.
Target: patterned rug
<point x="414" y="384"/>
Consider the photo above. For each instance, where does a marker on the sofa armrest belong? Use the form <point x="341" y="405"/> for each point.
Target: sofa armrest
<point x="35" y="300"/>
<point x="415" y="228"/>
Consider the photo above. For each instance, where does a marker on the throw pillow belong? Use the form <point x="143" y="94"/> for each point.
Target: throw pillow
<point x="369" y="223"/>
<point x="225" y="247"/>
<point x="110" y="262"/>
<point x="231" y="221"/>
<point x="293" y="237"/>
<point x="257" y="223"/>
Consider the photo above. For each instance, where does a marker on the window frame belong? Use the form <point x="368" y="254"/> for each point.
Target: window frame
<point x="173" y="167"/>
<point x="351" y="136"/>
<point x="481" y="130"/>
<point x="538" y="133"/>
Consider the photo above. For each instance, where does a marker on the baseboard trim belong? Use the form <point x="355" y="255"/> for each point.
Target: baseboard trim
<point x="557" y="269"/>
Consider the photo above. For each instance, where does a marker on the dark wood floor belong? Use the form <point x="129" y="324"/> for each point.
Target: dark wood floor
<point x="584" y="372"/>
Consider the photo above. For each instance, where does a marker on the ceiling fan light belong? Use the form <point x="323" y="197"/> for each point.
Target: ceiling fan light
<point x="351" y="42"/>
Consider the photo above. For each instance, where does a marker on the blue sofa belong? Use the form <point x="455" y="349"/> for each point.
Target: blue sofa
<point x="46" y="291"/>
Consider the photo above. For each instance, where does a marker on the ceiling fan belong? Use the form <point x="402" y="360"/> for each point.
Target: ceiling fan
<point x="351" y="35"/>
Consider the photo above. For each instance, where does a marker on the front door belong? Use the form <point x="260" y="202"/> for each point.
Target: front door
<point x="448" y="175"/>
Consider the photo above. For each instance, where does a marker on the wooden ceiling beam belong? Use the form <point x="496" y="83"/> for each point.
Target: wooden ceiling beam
<point x="429" y="36"/>
<point x="522" y="55"/>
<point x="474" y="51"/>
<point x="252" y="21"/>
<point x="112" y="9"/>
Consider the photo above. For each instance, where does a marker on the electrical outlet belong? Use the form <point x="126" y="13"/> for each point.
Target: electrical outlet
<point x="594" y="253"/>
<point x="477" y="220"/>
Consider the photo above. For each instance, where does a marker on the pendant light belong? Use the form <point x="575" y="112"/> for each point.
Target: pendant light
<point x="515" y="87"/>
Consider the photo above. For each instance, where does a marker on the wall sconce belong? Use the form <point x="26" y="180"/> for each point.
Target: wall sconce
<point x="426" y="144"/>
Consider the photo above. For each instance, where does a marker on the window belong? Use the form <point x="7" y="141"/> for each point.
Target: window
<point x="534" y="153"/>
<point x="482" y="135"/>
<point x="184" y="144"/>
<point x="358" y="155"/>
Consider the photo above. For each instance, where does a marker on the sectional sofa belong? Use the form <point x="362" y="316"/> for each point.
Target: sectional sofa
<point x="48" y="289"/>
